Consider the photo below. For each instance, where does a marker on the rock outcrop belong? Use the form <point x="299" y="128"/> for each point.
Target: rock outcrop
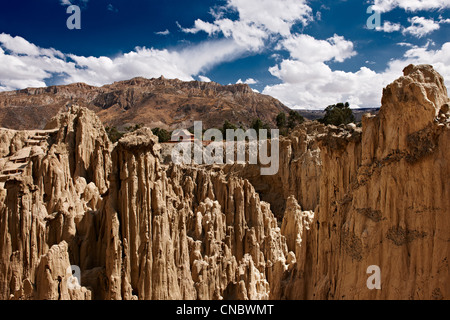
<point x="344" y="199"/>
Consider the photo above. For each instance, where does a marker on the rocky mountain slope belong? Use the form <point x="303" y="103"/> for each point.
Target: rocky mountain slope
<point x="344" y="199"/>
<point x="169" y="104"/>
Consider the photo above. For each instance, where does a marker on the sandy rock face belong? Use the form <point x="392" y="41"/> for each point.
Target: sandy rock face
<point x="384" y="201"/>
<point x="298" y="175"/>
<point x="344" y="199"/>
<point x="53" y="278"/>
<point x="186" y="233"/>
<point x="49" y="203"/>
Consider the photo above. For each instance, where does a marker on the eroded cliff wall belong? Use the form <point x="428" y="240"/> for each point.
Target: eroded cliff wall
<point x="384" y="201"/>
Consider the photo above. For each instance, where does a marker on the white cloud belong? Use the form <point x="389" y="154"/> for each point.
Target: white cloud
<point x="251" y="81"/>
<point x="200" y="25"/>
<point x="18" y="45"/>
<point x="389" y="27"/>
<point x="315" y="85"/>
<point x="23" y="64"/>
<point x="163" y="33"/>
<point x="410" y="5"/>
<point x="248" y="81"/>
<point x="183" y="64"/>
<point x="318" y="16"/>
<point x="204" y="79"/>
<point x="258" y="20"/>
<point x="275" y="16"/>
<point x="405" y="44"/>
<point x="308" y="49"/>
<point x="421" y="26"/>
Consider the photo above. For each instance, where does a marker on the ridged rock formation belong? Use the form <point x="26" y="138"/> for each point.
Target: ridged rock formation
<point x="344" y="199"/>
<point x="384" y="201"/>
<point x="298" y="175"/>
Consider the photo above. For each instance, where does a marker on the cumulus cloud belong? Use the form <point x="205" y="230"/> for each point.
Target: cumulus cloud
<point x="305" y="48"/>
<point x="23" y="64"/>
<point x="258" y="20"/>
<point x="274" y="16"/>
<point x="410" y="5"/>
<point x="248" y="81"/>
<point x="204" y="79"/>
<point x="308" y="82"/>
<point x="421" y="26"/>
<point x="316" y="85"/>
<point x="389" y="27"/>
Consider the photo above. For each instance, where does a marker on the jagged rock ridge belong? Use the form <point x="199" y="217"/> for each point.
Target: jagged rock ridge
<point x="169" y="104"/>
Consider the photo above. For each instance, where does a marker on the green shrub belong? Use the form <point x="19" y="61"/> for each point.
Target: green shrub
<point x="258" y="124"/>
<point x="227" y="125"/>
<point x="162" y="134"/>
<point x="294" y="119"/>
<point x="281" y="120"/>
<point x="338" y="114"/>
<point x="113" y="134"/>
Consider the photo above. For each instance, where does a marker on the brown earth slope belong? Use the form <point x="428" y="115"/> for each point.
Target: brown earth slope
<point x="168" y="104"/>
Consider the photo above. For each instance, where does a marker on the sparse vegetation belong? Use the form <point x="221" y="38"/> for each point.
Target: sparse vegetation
<point x="285" y="124"/>
<point x="294" y="119"/>
<point x="281" y="120"/>
<point x="162" y="134"/>
<point x="258" y="124"/>
<point x="113" y="134"/>
<point x="228" y="126"/>
<point x="338" y="114"/>
<point x="134" y="128"/>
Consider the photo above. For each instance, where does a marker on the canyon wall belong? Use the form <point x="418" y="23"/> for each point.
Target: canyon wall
<point x="344" y="199"/>
<point x="384" y="201"/>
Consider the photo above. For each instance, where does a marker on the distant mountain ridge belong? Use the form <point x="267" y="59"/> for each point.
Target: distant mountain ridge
<point x="157" y="102"/>
<point x="317" y="114"/>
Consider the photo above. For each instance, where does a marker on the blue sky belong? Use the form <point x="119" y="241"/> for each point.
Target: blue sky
<point x="308" y="54"/>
